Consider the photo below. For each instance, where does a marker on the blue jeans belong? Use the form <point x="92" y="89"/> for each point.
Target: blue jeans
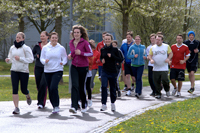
<point x="112" y="78"/>
<point x="53" y="80"/>
<point x="137" y="73"/>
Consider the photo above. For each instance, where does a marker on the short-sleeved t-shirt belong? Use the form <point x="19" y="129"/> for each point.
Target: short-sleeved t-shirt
<point x="159" y="55"/>
<point x="179" y="53"/>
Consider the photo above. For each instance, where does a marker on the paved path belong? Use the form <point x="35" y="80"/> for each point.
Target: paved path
<point x="33" y="120"/>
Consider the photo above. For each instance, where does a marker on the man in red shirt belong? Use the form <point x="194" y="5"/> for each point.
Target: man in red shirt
<point x="178" y="64"/>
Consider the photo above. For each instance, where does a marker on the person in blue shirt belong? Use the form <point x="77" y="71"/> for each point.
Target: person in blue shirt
<point x="137" y="54"/>
<point x="127" y="63"/>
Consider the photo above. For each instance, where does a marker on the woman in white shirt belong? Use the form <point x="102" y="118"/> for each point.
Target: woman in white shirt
<point x="53" y="57"/>
<point x="20" y="55"/>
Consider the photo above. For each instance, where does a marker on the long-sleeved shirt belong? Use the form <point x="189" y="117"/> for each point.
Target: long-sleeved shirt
<point x="86" y="51"/>
<point x="56" y="55"/>
<point x="25" y="55"/>
<point x="124" y="48"/>
<point x="37" y="51"/>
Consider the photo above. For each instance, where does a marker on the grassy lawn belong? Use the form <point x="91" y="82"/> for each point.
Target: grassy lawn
<point x="178" y="117"/>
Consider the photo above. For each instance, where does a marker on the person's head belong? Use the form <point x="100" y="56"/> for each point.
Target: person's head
<point x="129" y="36"/>
<point x="53" y="38"/>
<point x="79" y="31"/>
<point x="114" y="43"/>
<point x="153" y="38"/>
<point x="179" y="39"/>
<point x="137" y="39"/>
<point x="108" y="39"/>
<point x="159" y="33"/>
<point x="191" y="35"/>
<point x="92" y="44"/>
<point x="20" y="37"/>
<point x="44" y="36"/>
<point x="103" y="35"/>
<point x="159" y="40"/>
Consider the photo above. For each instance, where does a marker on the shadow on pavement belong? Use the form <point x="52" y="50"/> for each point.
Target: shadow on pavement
<point x="86" y="117"/>
<point x="45" y="110"/>
<point x="91" y="110"/>
<point x="115" y="114"/>
<point x="58" y="117"/>
<point x="25" y="116"/>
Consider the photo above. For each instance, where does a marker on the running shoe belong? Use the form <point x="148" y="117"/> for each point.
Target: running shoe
<point x="168" y="93"/>
<point x="83" y="110"/>
<point x="125" y="89"/>
<point x="137" y="95"/>
<point x="158" y="96"/>
<point x="132" y="88"/>
<point x="191" y="90"/>
<point x="128" y="93"/>
<point x="89" y="102"/>
<point x="55" y="110"/>
<point x="40" y="106"/>
<point x="28" y="99"/>
<point x="174" y="92"/>
<point x="152" y="94"/>
<point x="73" y="110"/>
<point x="16" y="111"/>
<point x="178" y="94"/>
<point x="113" y="107"/>
<point x="103" y="107"/>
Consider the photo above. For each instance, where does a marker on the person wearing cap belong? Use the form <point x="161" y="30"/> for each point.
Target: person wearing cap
<point x="192" y="62"/>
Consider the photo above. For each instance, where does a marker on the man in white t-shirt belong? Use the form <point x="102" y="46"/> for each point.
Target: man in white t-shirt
<point x="160" y="55"/>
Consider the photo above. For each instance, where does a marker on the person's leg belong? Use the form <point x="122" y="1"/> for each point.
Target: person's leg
<point x="104" y="87"/>
<point x="24" y="77"/>
<point x="157" y="81"/>
<point x="38" y="75"/>
<point x="117" y="80"/>
<point x="89" y="92"/>
<point x="94" y="71"/>
<point x="179" y="85"/>
<point x="127" y="68"/>
<point x="82" y="71"/>
<point x="75" y="87"/>
<point x="48" y="77"/>
<point x="53" y="93"/>
<point x="112" y="80"/>
<point x="165" y="80"/>
<point x="139" y="79"/>
<point x="42" y="94"/>
<point x="150" y="78"/>
<point x="15" y="85"/>
<point x="192" y="78"/>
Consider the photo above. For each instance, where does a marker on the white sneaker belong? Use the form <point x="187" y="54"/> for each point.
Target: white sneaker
<point x="128" y="93"/>
<point x="108" y="91"/>
<point x="132" y="88"/>
<point x="16" y="111"/>
<point x="100" y="89"/>
<point x="55" y="110"/>
<point x="72" y="110"/>
<point x="103" y="107"/>
<point x="168" y="94"/>
<point x="113" y="107"/>
<point x="89" y="103"/>
<point x="178" y="94"/>
<point x="80" y="104"/>
<point x="174" y="92"/>
<point x="40" y="106"/>
<point x="124" y="89"/>
<point x="84" y="110"/>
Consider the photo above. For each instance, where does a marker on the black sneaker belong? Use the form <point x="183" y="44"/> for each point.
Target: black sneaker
<point x="158" y="96"/>
<point x="191" y="90"/>
<point x="119" y="93"/>
<point x="137" y="95"/>
<point x="152" y="94"/>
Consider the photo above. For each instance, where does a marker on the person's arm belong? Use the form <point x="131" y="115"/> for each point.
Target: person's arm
<point x="150" y="56"/>
<point x="187" y="56"/>
<point x="34" y="52"/>
<point x="170" y="54"/>
<point x="88" y="52"/>
<point x="28" y="55"/>
<point x="9" y="59"/>
<point x="42" y="56"/>
<point x="131" y="52"/>
<point x="63" y="56"/>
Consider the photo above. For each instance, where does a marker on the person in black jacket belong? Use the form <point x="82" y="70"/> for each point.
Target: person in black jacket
<point x="109" y="57"/>
<point x="39" y="70"/>
<point x="192" y="62"/>
<point x="114" y="44"/>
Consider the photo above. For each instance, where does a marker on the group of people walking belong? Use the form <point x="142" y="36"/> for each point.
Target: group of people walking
<point x="50" y="58"/>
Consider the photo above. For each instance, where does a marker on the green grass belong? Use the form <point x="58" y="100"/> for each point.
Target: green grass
<point x="178" y="117"/>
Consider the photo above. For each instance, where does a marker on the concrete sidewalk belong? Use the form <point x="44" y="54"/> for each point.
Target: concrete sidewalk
<point x="34" y="120"/>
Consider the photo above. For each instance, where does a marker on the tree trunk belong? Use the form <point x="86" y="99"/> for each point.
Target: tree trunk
<point x="58" y="27"/>
<point x="185" y="22"/>
<point x="21" y="23"/>
<point x="125" y="24"/>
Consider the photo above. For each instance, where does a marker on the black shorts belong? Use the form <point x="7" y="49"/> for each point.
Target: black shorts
<point x="191" y="66"/>
<point x="177" y="74"/>
<point x="128" y="69"/>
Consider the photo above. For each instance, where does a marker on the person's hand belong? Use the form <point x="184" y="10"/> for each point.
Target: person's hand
<point x="109" y="55"/>
<point x="38" y="56"/>
<point x="167" y="60"/>
<point x="182" y="61"/>
<point x="17" y="58"/>
<point x="170" y="62"/>
<point x="152" y="61"/>
<point x="144" y="57"/>
<point x="69" y="56"/>
<point x="118" y="64"/>
<point x="103" y="61"/>
<point x="136" y="55"/>
<point x="77" y="52"/>
<point x="46" y="61"/>
<point x="61" y="63"/>
<point x="7" y="60"/>
<point x="196" y="50"/>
